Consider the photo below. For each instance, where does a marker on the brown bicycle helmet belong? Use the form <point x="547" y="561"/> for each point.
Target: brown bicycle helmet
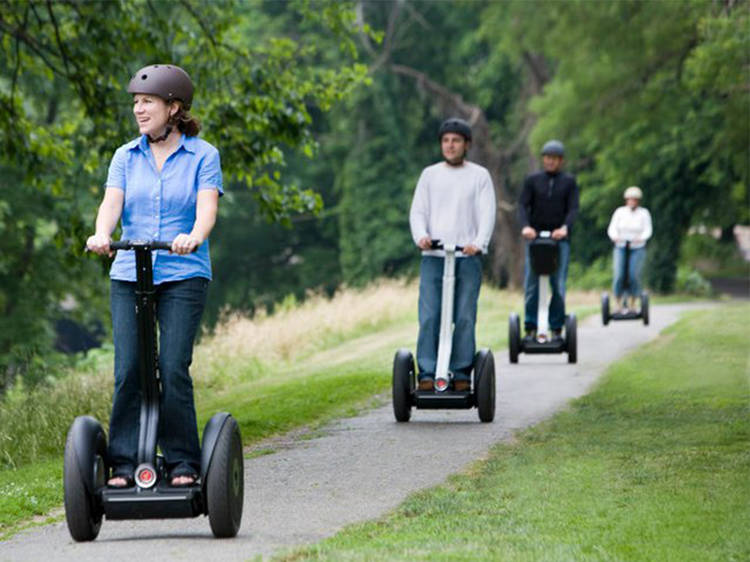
<point x="167" y="81"/>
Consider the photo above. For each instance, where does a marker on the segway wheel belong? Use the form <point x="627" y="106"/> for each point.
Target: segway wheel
<point x="571" y="337"/>
<point x="484" y="385"/>
<point x="225" y="482"/>
<point x="514" y="337"/>
<point x="402" y="384"/>
<point x="84" y="472"/>
<point x="605" y="309"/>
<point x="644" y="308"/>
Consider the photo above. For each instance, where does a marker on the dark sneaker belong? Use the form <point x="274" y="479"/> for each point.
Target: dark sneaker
<point x="530" y="334"/>
<point x="461" y="386"/>
<point x="427" y="384"/>
<point x="557" y="335"/>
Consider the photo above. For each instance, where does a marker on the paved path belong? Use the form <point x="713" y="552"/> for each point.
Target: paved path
<point x="361" y="467"/>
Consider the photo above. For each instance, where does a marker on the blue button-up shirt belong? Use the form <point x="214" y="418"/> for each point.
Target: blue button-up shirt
<point x="159" y="206"/>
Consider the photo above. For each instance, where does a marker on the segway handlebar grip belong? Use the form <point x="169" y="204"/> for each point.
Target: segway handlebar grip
<point x="438" y="245"/>
<point x="133" y="244"/>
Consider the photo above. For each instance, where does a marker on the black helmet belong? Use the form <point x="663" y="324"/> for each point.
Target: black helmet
<point x="553" y="148"/>
<point x="167" y="81"/>
<point x="455" y="125"/>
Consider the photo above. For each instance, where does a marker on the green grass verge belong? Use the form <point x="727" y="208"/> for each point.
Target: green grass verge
<point x="654" y="464"/>
<point x="266" y="399"/>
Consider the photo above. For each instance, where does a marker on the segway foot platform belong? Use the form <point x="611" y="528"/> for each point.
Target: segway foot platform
<point x="631" y="315"/>
<point x="535" y="346"/>
<point x="431" y="400"/>
<point x="160" y="502"/>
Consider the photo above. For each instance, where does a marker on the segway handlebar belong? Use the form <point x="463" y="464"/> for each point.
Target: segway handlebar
<point x="438" y="245"/>
<point x="145" y="244"/>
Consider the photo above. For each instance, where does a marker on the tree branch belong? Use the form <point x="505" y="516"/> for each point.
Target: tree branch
<point x="208" y="32"/>
<point x="31" y="43"/>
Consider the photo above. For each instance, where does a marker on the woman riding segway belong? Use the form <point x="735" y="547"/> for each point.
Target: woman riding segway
<point x="163" y="185"/>
<point x="629" y="229"/>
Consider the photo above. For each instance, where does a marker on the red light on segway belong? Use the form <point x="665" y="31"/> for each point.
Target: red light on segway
<point x="441" y="384"/>
<point x="145" y="476"/>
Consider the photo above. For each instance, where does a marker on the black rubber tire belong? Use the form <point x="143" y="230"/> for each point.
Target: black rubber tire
<point x="402" y="384"/>
<point x="484" y="385"/>
<point x="571" y="338"/>
<point x="605" y="309"/>
<point x="225" y="482"/>
<point x="644" y="308"/>
<point x="514" y="337"/>
<point x="82" y="512"/>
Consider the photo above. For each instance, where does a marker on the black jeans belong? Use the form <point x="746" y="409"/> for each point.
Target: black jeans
<point x="179" y="306"/>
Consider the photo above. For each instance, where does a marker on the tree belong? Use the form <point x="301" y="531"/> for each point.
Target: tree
<point x="63" y="111"/>
<point x="633" y="95"/>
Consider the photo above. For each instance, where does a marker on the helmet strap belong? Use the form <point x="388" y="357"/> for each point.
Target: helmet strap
<point x="163" y="136"/>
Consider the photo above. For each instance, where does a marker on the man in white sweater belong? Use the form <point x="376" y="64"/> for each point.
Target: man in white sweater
<point x="630" y="225"/>
<point x="454" y="202"/>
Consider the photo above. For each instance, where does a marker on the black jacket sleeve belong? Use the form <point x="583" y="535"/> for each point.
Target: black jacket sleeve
<point x="572" y="205"/>
<point x="524" y="204"/>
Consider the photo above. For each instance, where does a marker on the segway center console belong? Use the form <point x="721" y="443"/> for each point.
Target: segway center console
<point x="482" y="391"/>
<point x="544" y="255"/>
<point x="219" y="491"/>
<point x="630" y="314"/>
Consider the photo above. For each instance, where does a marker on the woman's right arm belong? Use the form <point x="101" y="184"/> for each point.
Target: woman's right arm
<point x="106" y="220"/>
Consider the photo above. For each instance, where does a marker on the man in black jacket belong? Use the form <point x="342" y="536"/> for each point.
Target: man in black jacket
<point x="549" y="201"/>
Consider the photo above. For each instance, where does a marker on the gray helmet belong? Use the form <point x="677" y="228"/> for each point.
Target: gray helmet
<point x="455" y="125"/>
<point x="553" y="148"/>
<point x="167" y="81"/>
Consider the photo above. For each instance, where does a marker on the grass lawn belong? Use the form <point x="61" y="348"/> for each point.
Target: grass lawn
<point x="654" y="464"/>
<point x="301" y="367"/>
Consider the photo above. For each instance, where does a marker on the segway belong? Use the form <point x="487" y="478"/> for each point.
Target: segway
<point x="630" y="314"/>
<point x="544" y="255"/>
<point x="482" y="391"/>
<point x="219" y="491"/>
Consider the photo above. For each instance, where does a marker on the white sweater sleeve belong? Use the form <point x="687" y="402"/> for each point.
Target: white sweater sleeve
<point x="420" y="210"/>
<point x="647" y="227"/>
<point x="612" y="230"/>
<point x="487" y="208"/>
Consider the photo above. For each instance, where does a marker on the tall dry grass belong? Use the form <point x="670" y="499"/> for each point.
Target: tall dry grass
<point x="251" y="344"/>
<point x="34" y="421"/>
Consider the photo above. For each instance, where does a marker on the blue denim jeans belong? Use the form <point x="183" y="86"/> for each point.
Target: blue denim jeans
<point x="557" y="283"/>
<point x="468" y="281"/>
<point x="179" y="306"/>
<point x="635" y="266"/>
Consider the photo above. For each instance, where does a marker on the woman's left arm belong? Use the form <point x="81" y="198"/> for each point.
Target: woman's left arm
<point x="205" y="217"/>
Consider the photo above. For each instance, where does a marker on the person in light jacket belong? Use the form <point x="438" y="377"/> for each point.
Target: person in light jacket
<point x="454" y="202"/>
<point x="630" y="225"/>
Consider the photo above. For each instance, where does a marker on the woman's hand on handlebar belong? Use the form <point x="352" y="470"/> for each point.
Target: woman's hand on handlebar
<point x="528" y="232"/>
<point x="99" y="244"/>
<point x="425" y="243"/>
<point x="185" y="244"/>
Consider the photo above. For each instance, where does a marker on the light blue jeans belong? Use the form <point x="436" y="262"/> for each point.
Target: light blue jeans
<point x="468" y="281"/>
<point x="635" y="266"/>
<point x="557" y="283"/>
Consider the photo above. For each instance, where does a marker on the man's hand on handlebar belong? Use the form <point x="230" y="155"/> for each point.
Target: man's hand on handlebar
<point x="99" y="244"/>
<point x="425" y="243"/>
<point x="471" y="250"/>
<point x="185" y="244"/>
<point x="560" y="233"/>
<point x="528" y="233"/>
